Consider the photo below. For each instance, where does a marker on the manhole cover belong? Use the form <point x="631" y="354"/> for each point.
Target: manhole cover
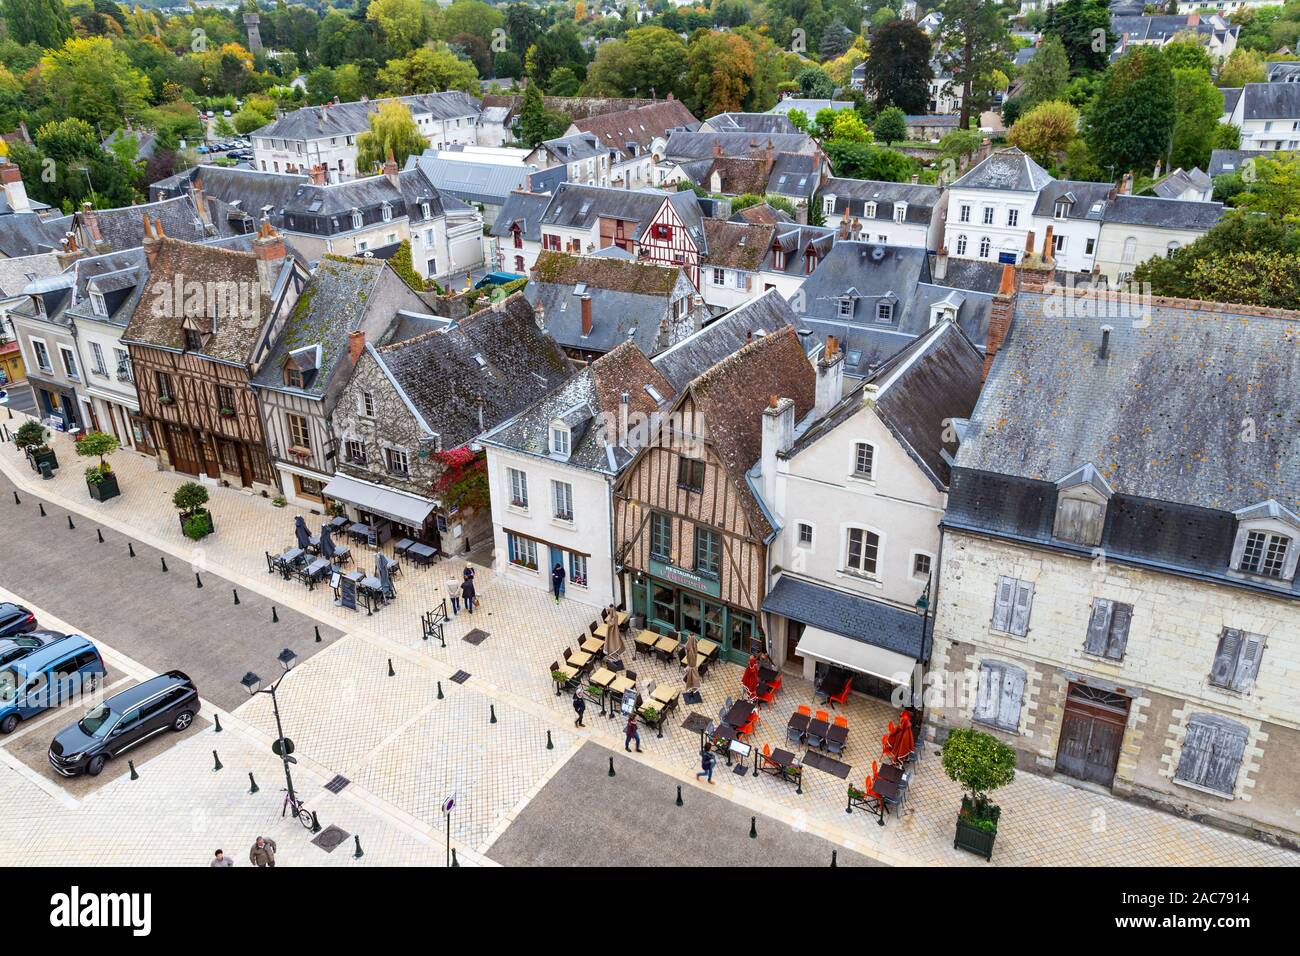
<point x="476" y="636"/>
<point x="330" y="838"/>
<point x="460" y="676"/>
<point x="337" y="784"/>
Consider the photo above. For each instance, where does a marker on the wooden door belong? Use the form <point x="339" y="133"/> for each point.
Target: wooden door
<point x="1092" y="730"/>
<point x="181" y="449"/>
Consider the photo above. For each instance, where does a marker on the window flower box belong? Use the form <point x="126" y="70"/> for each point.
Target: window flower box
<point x="227" y="412"/>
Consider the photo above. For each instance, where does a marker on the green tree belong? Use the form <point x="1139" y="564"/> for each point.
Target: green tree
<point x="66" y="167"/>
<point x="847" y="127"/>
<point x="868" y="161"/>
<point x="42" y="22"/>
<point x="429" y="68"/>
<point x="1187" y="53"/>
<point x="1046" y="131"/>
<point x="536" y="122"/>
<point x="646" y="58"/>
<point x="1131" y="122"/>
<point x="890" y="126"/>
<point x="719" y="73"/>
<point x="1198" y="106"/>
<point x="973" y="44"/>
<point x="1274" y="187"/>
<point x="90" y="79"/>
<point x="981" y="764"/>
<point x="814" y="84"/>
<point x="564" y="82"/>
<point x="898" y="69"/>
<point x="1242" y="67"/>
<point x="249" y="119"/>
<point x="392" y="132"/>
<point x="468" y="16"/>
<point x="1084" y="29"/>
<point x="400" y="23"/>
<point x="1046" y="74"/>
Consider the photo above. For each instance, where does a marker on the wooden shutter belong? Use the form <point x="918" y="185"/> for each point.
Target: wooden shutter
<point x="1225" y="657"/>
<point x="1024" y="600"/>
<point x="1121" y="618"/>
<point x="986" y="696"/>
<point x="1013" y="692"/>
<point x="1099" y="626"/>
<point x="1002" y="602"/>
<point x="1225" y="759"/>
<point x="1252" y="648"/>
<point x="1198" y="745"/>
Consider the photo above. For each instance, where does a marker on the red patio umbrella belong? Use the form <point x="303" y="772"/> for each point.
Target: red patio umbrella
<point x="901" y="741"/>
<point x="750" y="678"/>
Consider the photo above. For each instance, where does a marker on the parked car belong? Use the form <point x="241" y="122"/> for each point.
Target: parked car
<point x="168" y="701"/>
<point x="47" y="677"/>
<point x="15" y="619"/>
<point x="20" y="645"/>
<point x="203" y="149"/>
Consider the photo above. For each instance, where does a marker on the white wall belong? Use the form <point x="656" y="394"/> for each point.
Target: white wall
<point x="1002" y="236"/>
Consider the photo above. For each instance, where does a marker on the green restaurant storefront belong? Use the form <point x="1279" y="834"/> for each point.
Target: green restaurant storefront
<point x="676" y="599"/>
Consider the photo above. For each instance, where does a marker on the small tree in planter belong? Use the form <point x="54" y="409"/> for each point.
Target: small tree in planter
<point x="196" y="520"/>
<point x="980" y="763"/>
<point x="31" y="437"/>
<point x="101" y="482"/>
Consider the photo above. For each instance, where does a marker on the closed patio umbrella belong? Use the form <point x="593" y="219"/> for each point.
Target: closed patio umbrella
<point x="692" y="678"/>
<point x="301" y="533"/>
<point x="692" y="651"/>
<point x="326" y="543"/>
<point x="385" y="579"/>
<point x="614" y="639"/>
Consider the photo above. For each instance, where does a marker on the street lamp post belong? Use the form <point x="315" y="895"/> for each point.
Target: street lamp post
<point x="253" y="684"/>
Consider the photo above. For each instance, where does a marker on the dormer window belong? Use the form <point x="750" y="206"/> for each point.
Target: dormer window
<point x="356" y="219"/>
<point x="900" y="212"/>
<point x="560" y="439"/>
<point x="846" y="308"/>
<point x="1081" y="499"/>
<point x="388" y="211"/>
<point x="885" y="311"/>
<point x="1062" y="209"/>
<point x="1266" y="543"/>
<point x="97" y="303"/>
<point x="193" y="341"/>
<point x="292" y="377"/>
<point x="869" y="211"/>
<point x="426" y="210"/>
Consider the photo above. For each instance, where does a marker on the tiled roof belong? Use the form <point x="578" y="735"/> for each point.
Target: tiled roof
<point x="736" y="176"/>
<point x="123" y="228"/>
<point x="524" y="208"/>
<point x="737" y="245"/>
<point x="726" y="335"/>
<point x="641" y="125"/>
<point x="849" y="615"/>
<point x="16" y="273"/>
<point x="761" y="214"/>
<point x="616" y="275"/>
<point x="1007" y="169"/>
<point x="574" y="107"/>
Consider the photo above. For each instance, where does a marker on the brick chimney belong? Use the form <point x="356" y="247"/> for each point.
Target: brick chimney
<point x="718" y="151"/>
<point x="356" y="345"/>
<point x="70" y="251"/>
<point x="270" y="252"/>
<point x="778" y="436"/>
<point x="151" y="241"/>
<point x="769" y="158"/>
<point x="89" y="221"/>
<point x="940" y="270"/>
<point x="830" y="377"/>
<point x="200" y="198"/>
<point x="585" y="300"/>
<point x="319" y="175"/>
<point x="15" y="192"/>
<point x="390" y="168"/>
<point x="1004" y="303"/>
<point x="844" y="226"/>
<point x="1193" y="19"/>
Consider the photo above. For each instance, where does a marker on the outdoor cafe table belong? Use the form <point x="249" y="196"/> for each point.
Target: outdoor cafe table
<point x="645" y="640"/>
<point x="818" y="728"/>
<point x="767" y="674"/>
<point x="602" y="678"/>
<point x="838" y="734"/>
<point x="889" y="792"/>
<point x="592" y="645"/>
<point x="359" y="531"/>
<point x="338" y="521"/>
<point x="739" y="713"/>
<point x="706" y="648"/>
<point x="664" y="695"/>
<point x="399" y="549"/>
<point x="799" y="722"/>
<point x="667" y="645"/>
<point x="891" y="773"/>
<point x="421" y="554"/>
<point x="292" y="556"/>
<point x="780" y="764"/>
<point x="579" y="659"/>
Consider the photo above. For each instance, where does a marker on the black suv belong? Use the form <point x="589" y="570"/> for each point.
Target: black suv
<point x="124" y="720"/>
<point x="15" y="619"/>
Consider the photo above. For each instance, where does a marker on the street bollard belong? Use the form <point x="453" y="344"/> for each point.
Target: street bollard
<point x="253" y="787"/>
<point x="275" y="615"/>
<point x="549" y="745"/>
<point x="217" y="718"/>
<point x="164" y="564"/>
<point x="492" y="709"/>
<point x="454" y="862"/>
<point x="679" y="795"/>
<point x="315" y="823"/>
<point x="42" y="507"/>
<point x="440" y="690"/>
<point x="358" y="854"/>
<point x="611" y="766"/>
<point x="216" y="762"/>
<point x="198" y="581"/>
<point x="134" y="775"/>
<point x="235" y="592"/>
<point x="391" y="672"/>
<point x="71" y="526"/>
<point x="317" y="633"/>
<point x="130" y="549"/>
<point x="753" y="828"/>
<point x="833" y="862"/>
<point x="100" y="535"/>
<point x="17" y="500"/>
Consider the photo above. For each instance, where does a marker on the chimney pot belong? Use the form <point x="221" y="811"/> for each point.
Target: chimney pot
<point x="587" y="322"/>
<point x="356" y="345"/>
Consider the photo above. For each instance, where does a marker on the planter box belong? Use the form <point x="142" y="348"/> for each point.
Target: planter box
<point x="974" y="840"/>
<point x="206" y="514"/>
<point x="36" y="457"/>
<point x="105" y="489"/>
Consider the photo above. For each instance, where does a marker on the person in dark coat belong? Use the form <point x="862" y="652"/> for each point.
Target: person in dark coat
<point x="579" y="707"/>
<point x="557" y="581"/>
<point x="467" y="591"/>
<point x="707" y="761"/>
<point x="631" y="733"/>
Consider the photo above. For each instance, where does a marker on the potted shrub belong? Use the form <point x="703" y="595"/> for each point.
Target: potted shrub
<point x="227" y="412"/>
<point x="196" y="520"/>
<point x="980" y="763"/>
<point x="101" y="480"/>
<point x="31" y="437"/>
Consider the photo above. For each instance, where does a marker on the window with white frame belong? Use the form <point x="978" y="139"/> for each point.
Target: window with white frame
<point x="1213" y="749"/>
<point x="1130" y="250"/>
<point x="355" y="451"/>
<point x="1012" y="602"/>
<point x="884" y="312"/>
<point x="708" y="552"/>
<point x="961" y="245"/>
<point x="1013" y="217"/>
<point x="562" y="500"/>
<point x="861" y="551"/>
<point x="984" y="247"/>
<point x="988" y="215"/>
<point x="921" y="564"/>
<point x="518" y="487"/>
<point x="805" y="535"/>
<point x="1058" y="242"/>
<point x="97" y="360"/>
<point x="560" y="440"/>
<point x="523" y="551"/>
<point x="1062" y="209"/>
<point x="1236" y="660"/>
<point x="719" y="276"/>
<point x="356" y="219"/>
<point x="846" y="308"/>
<point x="397" y="461"/>
<point x="97" y="303"/>
<point x="869" y="211"/>
<point x="900" y="212"/>
<point x="69" y="362"/>
<point x="367" y="402"/>
<point x="1088" y="246"/>
<point x="963" y="214"/>
<point x="124" y="373"/>
<point x="1108" y="627"/>
<point x="1265" y="554"/>
<point x="388" y="212"/>
<point x="1000" y="694"/>
<point x="578" y="569"/>
<point x="864" y="460"/>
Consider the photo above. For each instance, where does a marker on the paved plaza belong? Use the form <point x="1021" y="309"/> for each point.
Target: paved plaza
<point x="376" y="703"/>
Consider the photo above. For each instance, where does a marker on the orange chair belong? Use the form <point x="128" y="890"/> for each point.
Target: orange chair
<point x="749" y="727"/>
<point x="767" y="750"/>
<point x="767" y="698"/>
<point x="841" y="721"/>
<point x="822" y="715"/>
<point x="843" y="695"/>
<point x="776" y="684"/>
<point x="805" y="710"/>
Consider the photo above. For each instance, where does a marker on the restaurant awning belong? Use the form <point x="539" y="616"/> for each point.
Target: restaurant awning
<point x="394" y="505"/>
<point x="856" y="656"/>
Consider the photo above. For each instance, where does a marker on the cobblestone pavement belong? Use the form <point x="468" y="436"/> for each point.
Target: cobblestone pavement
<point x="405" y="749"/>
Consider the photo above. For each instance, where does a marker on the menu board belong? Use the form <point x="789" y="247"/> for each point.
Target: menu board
<point x="348" y="593"/>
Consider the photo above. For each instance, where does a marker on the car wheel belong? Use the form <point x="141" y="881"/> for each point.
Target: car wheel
<point x="96" y="765"/>
<point x="8" y="724"/>
<point x="183" y="720"/>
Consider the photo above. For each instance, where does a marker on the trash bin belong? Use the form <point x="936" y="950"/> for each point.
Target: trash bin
<point x="46" y="471"/>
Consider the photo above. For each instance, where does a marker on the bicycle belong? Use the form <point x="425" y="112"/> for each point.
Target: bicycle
<point x="299" y="809"/>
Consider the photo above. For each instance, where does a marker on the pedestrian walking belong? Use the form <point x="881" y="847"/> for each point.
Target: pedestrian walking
<point x="631" y="733"/>
<point x="262" y="853"/>
<point x="467" y="592"/>
<point x="579" y="707"/>
<point x="220" y="859"/>
<point x="707" y="761"/>
<point x="557" y="581"/>
<point x="453" y="591"/>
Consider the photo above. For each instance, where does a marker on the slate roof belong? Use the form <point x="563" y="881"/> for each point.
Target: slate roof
<point x="1163" y="27"/>
<point x="327" y="209"/>
<point x="524" y="208"/>
<point x="1162" y="213"/>
<point x="1006" y="169"/>
<point x="1180" y="181"/>
<point x="145" y="141"/>
<point x="1084" y="194"/>
<point x="732" y="395"/>
<point x="849" y="615"/>
<point x="688" y="146"/>
<point x="248" y="190"/>
<point x="933" y="119"/>
<point x="580" y="207"/>
<point x="692" y="356"/>
<point x="27" y="234"/>
<point x="569" y="149"/>
<point x="641" y="125"/>
<point x="16" y="273"/>
<point x="1224" y="162"/>
<point x="1231" y="94"/>
<point x="459" y="175"/>
<point x="1265" y="101"/>
<point x="235" y="333"/>
<point x="440" y="374"/>
<point x="1161" y="417"/>
<point x="736" y="176"/>
<point x="123" y="228"/>
<point x="591" y="399"/>
<point x="737" y="245"/>
<point x="341" y="119"/>
<point x="809" y="108"/>
<point x="1282" y="71"/>
<point x="796" y="175"/>
<point x="770" y="122"/>
<point x="332" y="304"/>
<point x="574" y="107"/>
<point x="854" y="194"/>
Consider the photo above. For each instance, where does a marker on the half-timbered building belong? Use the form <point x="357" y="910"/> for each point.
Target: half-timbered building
<point x="203" y="327"/>
<point x="691" y="527"/>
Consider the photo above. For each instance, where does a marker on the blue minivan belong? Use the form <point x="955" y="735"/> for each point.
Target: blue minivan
<point x="55" y="674"/>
